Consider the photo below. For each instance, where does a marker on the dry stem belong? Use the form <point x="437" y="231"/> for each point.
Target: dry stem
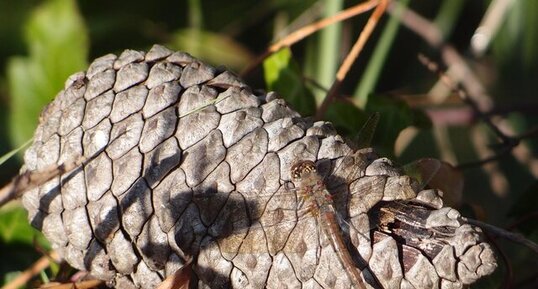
<point x="301" y="33"/>
<point x="352" y="56"/>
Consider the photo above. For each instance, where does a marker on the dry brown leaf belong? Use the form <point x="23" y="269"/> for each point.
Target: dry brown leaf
<point x="180" y="279"/>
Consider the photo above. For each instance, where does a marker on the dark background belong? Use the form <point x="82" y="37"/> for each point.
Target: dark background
<point x="42" y="42"/>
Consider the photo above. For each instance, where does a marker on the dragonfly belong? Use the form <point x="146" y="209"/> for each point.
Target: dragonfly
<point x="311" y="186"/>
<point x="271" y="227"/>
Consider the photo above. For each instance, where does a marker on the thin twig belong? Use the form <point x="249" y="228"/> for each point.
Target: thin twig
<point x="29" y="273"/>
<point x="507" y="142"/>
<point x="432" y="66"/>
<point x="473" y="164"/>
<point x="476" y="92"/>
<point x="433" y="36"/>
<point x="509" y="277"/>
<point x="352" y="56"/>
<point x="314" y="83"/>
<point x="525" y="108"/>
<point x="531" y="133"/>
<point x="514" y="237"/>
<point x="523" y="219"/>
<point x="300" y="34"/>
<point x="31" y="179"/>
<point x="87" y="284"/>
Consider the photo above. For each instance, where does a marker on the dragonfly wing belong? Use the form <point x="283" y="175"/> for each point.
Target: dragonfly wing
<point x="345" y="185"/>
<point x="259" y="203"/>
<point x="303" y="248"/>
<point x="367" y="131"/>
<point x="237" y="233"/>
<point x="423" y="170"/>
<point x="438" y="175"/>
<point x="380" y="180"/>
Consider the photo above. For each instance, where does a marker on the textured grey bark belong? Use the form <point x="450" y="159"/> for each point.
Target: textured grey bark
<point x="185" y="160"/>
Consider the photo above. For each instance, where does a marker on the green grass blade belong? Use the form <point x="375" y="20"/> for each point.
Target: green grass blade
<point x="329" y="48"/>
<point x="448" y="15"/>
<point x="10" y="154"/>
<point x="375" y="65"/>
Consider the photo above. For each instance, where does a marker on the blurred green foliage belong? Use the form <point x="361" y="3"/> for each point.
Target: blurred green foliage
<point x="18" y="242"/>
<point x="57" y="45"/>
<point x="14" y="228"/>
<point x="282" y="74"/>
<point x="45" y="41"/>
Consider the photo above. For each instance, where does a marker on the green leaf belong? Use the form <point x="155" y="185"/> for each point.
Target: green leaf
<point x="58" y="46"/>
<point x="17" y="239"/>
<point x="517" y="39"/>
<point x="282" y="75"/>
<point x="44" y="278"/>
<point x="211" y="47"/>
<point x="14" y="228"/>
<point x="448" y="15"/>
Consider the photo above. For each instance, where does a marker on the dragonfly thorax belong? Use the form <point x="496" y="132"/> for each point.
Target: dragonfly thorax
<point x="304" y="174"/>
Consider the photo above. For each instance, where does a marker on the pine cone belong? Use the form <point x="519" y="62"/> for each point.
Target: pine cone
<point x="185" y="160"/>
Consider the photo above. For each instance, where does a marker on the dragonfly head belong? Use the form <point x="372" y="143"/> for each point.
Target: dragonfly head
<point x="302" y="169"/>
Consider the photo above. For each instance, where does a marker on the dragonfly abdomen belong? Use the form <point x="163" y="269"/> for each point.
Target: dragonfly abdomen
<point x="329" y="225"/>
